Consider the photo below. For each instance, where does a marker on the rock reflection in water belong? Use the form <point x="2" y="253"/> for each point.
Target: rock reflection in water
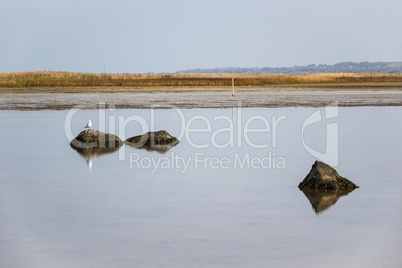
<point x="156" y="147"/>
<point x="91" y="153"/>
<point x="322" y="200"/>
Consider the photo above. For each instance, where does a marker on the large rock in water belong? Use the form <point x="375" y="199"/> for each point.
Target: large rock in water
<point x="159" y="141"/>
<point x="94" y="139"/>
<point x="323" y="186"/>
<point x="324" y="177"/>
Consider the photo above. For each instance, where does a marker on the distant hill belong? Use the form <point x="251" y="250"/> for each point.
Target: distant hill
<point x="343" y="67"/>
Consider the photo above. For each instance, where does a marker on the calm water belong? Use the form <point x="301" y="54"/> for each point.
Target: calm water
<point x="127" y="212"/>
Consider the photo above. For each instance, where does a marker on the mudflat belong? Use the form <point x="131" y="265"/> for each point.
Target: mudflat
<point x="46" y="99"/>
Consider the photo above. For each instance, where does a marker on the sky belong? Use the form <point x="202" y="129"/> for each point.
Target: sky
<point x="143" y="36"/>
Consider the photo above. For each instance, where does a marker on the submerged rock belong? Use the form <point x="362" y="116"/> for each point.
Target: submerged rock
<point x="93" y="139"/>
<point x="160" y="141"/>
<point x="324" y="177"/>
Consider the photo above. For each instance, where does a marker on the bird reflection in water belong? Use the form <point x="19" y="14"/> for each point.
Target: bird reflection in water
<point x="91" y="153"/>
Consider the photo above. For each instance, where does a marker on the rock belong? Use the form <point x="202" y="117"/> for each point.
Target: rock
<point x="323" y="186"/>
<point x="93" y="139"/>
<point x="324" y="177"/>
<point x="159" y="141"/>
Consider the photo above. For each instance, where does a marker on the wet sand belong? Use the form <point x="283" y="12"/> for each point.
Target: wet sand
<point x="201" y="99"/>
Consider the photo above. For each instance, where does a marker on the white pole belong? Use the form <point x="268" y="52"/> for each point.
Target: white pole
<point x="232" y="86"/>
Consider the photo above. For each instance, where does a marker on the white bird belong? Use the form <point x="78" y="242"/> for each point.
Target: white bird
<point x="89" y="125"/>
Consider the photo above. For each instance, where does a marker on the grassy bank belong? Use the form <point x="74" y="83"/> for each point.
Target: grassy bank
<point x="68" y="79"/>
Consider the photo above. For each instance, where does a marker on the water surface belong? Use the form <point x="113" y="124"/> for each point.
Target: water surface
<point x="56" y="212"/>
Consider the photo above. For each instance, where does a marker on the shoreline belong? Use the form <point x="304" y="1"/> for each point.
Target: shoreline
<point x="370" y="86"/>
<point x="204" y="98"/>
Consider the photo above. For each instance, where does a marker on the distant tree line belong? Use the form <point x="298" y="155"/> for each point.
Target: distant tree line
<point x="343" y="67"/>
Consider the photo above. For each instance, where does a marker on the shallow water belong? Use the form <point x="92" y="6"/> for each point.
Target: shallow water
<point x="125" y="212"/>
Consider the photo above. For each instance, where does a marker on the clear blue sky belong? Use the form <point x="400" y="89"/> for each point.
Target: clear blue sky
<point x="168" y="36"/>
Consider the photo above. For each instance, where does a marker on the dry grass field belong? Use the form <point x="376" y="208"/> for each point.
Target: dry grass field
<point x="59" y="79"/>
